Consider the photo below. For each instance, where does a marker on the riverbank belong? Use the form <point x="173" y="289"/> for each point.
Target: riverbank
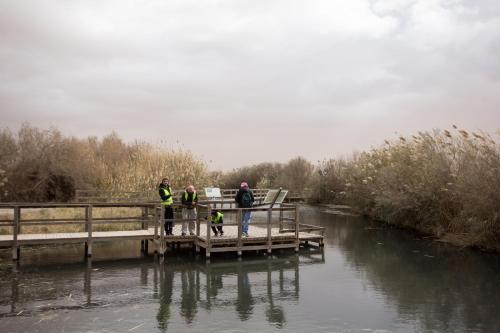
<point x="441" y="183"/>
<point x="458" y="240"/>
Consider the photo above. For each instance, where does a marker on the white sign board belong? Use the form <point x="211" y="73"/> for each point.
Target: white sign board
<point x="272" y="194"/>
<point x="213" y="192"/>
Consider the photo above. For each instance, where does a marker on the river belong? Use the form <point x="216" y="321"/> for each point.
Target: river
<point x="367" y="278"/>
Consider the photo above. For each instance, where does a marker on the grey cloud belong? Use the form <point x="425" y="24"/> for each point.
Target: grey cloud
<point x="344" y="74"/>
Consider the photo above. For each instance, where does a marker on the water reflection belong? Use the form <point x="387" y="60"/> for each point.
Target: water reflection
<point x="436" y="286"/>
<point x="374" y="280"/>
<point x="244" y="303"/>
<point x="233" y="284"/>
<point x="166" y="292"/>
<point x="255" y="286"/>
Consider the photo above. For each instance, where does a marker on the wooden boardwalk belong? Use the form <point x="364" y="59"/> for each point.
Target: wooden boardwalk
<point x="280" y="232"/>
<point x="257" y="239"/>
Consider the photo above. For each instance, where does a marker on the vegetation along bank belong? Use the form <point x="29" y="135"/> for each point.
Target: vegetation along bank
<point x="442" y="183"/>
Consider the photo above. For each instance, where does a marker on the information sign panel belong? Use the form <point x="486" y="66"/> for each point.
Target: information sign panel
<point x="213" y="192"/>
<point x="272" y="194"/>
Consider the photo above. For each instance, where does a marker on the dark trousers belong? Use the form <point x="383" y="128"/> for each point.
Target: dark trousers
<point x="219" y="227"/>
<point x="169" y="216"/>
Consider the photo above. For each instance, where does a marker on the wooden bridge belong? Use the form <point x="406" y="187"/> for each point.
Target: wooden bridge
<point x="36" y="224"/>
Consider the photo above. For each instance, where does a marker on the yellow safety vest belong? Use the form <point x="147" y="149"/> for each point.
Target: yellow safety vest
<point x="186" y="196"/>
<point x="216" y="218"/>
<point x="169" y="201"/>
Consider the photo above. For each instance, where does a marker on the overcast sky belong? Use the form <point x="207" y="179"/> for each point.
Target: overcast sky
<point x="243" y="82"/>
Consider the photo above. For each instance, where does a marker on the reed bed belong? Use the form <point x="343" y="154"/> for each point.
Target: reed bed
<point x="44" y="166"/>
<point x="443" y="183"/>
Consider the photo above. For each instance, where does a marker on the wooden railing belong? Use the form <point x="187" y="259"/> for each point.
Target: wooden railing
<point x="84" y="196"/>
<point x="149" y="218"/>
<point x="88" y="221"/>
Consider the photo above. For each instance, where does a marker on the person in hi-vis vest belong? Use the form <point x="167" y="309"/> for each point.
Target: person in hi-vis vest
<point x="167" y="201"/>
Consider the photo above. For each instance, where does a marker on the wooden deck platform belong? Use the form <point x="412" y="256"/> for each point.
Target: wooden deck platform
<point x="257" y="234"/>
<point x="264" y="234"/>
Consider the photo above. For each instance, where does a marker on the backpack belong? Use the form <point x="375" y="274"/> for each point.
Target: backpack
<point x="246" y="200"/>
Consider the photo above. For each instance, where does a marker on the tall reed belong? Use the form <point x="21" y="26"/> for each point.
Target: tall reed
<point x="42" y="165"/>
<point x="441" y="182"/>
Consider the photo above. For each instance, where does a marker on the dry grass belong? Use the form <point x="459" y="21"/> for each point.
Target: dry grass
<point x="443" y="183"/>
<point x="42" y="165"/>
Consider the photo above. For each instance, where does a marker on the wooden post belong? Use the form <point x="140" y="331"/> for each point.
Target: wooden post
<point x="16" y="228"/>
<point x="281" y="218"/>
<point x="158" y="219"/>
<point x="196" y="245"/>
<point x="297" y="242"/>
<point x="209" y="224"/>
<point x="143" y="218"/>
<point x="238" y="220"/>
<point x="143" y="227"/>
<point x="88" y="215"/>
<point x="162" y="231"/>
<point x="269" y="238"/>
<point x="86" y="229"/>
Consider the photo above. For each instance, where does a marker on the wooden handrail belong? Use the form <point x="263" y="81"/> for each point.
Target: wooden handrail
<point x="152" y="195"/>
<point x="151" y="215"/>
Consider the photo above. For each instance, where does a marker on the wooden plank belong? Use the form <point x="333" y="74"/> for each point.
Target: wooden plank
<point x="25" y="224"/>
<point x="251" y="248"/>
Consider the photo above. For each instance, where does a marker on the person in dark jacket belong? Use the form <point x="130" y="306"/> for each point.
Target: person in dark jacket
<point x="167" y="201"/>
<point x="244" y="198"/>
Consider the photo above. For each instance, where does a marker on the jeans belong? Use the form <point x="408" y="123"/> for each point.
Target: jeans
<point x="169" y="215"/>
<point x="246" y="218"/>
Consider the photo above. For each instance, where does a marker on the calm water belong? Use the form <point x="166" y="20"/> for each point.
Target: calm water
<point x="366" y="279"/>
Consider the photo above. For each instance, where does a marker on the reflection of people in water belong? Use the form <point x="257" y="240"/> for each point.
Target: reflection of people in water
<point x="166" y="285"/>
<point x="188" y="301"/>
<point x="215" y="284"/>
<point x="274" y="313"/>
<point x="219" y="280"/>
<point x="244" y="304"/>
